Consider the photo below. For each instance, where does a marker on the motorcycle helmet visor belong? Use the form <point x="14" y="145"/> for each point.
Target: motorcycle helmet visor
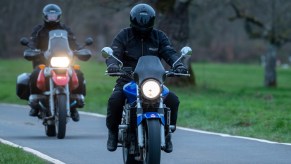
<point x="52" y="17"/>
<point x="52" y="13"/>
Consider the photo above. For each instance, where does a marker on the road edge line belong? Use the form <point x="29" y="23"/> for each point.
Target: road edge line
<point x="233" y="136"/>
<point x="32" y="151"/>
<point x="204" y="132"/>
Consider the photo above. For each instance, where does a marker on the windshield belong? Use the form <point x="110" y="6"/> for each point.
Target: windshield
<point x="58" y="44"/>
<point x="149" y="67"/>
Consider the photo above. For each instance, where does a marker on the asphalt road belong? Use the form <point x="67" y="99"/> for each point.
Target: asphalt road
<point x="85" y="143"/>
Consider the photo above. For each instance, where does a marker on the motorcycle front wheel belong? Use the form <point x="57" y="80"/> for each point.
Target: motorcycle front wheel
<point x="153" y="142"/>
<point x="61" y="116"/>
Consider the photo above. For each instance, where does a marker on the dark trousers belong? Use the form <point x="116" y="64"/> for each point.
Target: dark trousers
<point x="34" y="90"/>
<point x="117" y="100"/>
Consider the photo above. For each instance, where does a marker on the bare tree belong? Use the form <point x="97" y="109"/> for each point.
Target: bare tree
<point x="173" y="16"/>
<point x="273" y="29"/>
<point x="212" y="37"/>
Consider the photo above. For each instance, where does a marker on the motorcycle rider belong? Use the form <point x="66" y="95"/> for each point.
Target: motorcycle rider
<point x="39" y="40"/>
<point x="131" y="43"/>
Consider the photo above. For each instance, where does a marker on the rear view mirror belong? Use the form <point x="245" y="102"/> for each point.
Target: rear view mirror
<point x="186" y="51"/>
<point x="106" y="52"/>
<point x="24" y="41"/>
<point x="89" y="41"/>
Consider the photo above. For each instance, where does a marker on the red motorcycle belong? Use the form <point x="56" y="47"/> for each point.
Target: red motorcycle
<point x="56" y="80"/>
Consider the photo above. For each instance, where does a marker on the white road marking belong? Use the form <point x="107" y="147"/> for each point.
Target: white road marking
<point x="206" y="132"/>
<point x="32" y="151"/>
<point x="231" y="136"/>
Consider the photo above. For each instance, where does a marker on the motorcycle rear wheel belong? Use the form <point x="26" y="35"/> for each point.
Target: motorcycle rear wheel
<point x="128" y="158"/>
<point x="61" y="116"/>
<point x="50" y="130"/>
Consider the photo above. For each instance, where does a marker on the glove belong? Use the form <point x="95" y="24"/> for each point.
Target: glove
<point x="181" y="69"/>
<point x="113" y="68"/>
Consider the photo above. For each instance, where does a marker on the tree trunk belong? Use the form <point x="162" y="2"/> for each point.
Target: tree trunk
<point x="270" y="66"/>
<point x="174" y="21"/>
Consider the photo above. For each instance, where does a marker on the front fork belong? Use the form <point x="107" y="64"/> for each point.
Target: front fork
<point x="55" y="91"/>
<point x="139" y="112"/>
<point x="140" y="127"/>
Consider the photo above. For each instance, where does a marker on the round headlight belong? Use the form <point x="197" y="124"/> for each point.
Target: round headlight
<point x="151" y="89"/>
<point x="60" y="62"/>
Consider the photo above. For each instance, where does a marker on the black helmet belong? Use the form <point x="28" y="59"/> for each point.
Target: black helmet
<point x="142" y="18"/>
<point x="52" y="13"/>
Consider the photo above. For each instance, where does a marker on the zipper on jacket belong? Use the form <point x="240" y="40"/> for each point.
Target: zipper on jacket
<point x="141" y="46"/>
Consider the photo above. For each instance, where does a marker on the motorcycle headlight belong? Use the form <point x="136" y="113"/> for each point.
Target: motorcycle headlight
<point x="151" y="89"/>
<point x="60" y="62"/>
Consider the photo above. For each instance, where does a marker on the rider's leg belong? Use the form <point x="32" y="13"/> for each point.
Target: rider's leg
<point x="171" y="101"/>
<point x="114" y="114"/>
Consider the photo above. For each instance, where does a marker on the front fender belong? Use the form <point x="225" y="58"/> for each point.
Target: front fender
<point x="60" y="90"/>
<point x="60" y="79"/>
<point x="150" y="115"/>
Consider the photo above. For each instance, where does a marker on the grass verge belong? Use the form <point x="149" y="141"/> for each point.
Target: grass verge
<point x="11" y="155"/>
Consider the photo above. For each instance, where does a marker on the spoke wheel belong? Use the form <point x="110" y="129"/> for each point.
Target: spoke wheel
<point x="61" y="116"/>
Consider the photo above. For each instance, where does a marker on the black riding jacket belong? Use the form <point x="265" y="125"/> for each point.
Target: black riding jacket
<point x="40" y="36"/>
<point x="128" y="46"/>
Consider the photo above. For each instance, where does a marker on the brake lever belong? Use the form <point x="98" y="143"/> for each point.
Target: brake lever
<point x="113" y="74"/>
<point x="172" y="74"/>
<point x="181" y="74"/>
<point x="169" y="74"/>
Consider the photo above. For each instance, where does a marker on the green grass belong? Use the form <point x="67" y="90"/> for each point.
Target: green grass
<point x="231" y="99"/>
<point x="12" y="155"/>
<point x="228" y="98"/>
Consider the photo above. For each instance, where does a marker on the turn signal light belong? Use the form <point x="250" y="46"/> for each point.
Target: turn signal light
<point x="76" y="67"/>
<point x="41" y="66"/>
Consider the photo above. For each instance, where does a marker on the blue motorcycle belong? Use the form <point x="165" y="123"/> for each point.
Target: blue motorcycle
<point x="146" y="119"/>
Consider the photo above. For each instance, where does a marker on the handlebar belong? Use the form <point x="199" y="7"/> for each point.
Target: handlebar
<point x="129" y="74"/>
<point x="172" y="74"/>
<point x="115" y="74"/>
<point x="39" y="51"/>
<point x="35" y="50"/>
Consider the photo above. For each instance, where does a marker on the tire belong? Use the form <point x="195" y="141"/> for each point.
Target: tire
<point x="153" y="142"/>
<point x="50" y="130"/>
<point x="128" y="158"/>
<point x="61" y="116"/>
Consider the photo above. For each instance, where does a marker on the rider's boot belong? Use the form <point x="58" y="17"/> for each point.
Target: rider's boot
<point x="169" y="145"/>
<point x="80" y="100"/>
<point x="75" y="115"/>
<point x="112" y="140"/>
<point x="33" y="103"/>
